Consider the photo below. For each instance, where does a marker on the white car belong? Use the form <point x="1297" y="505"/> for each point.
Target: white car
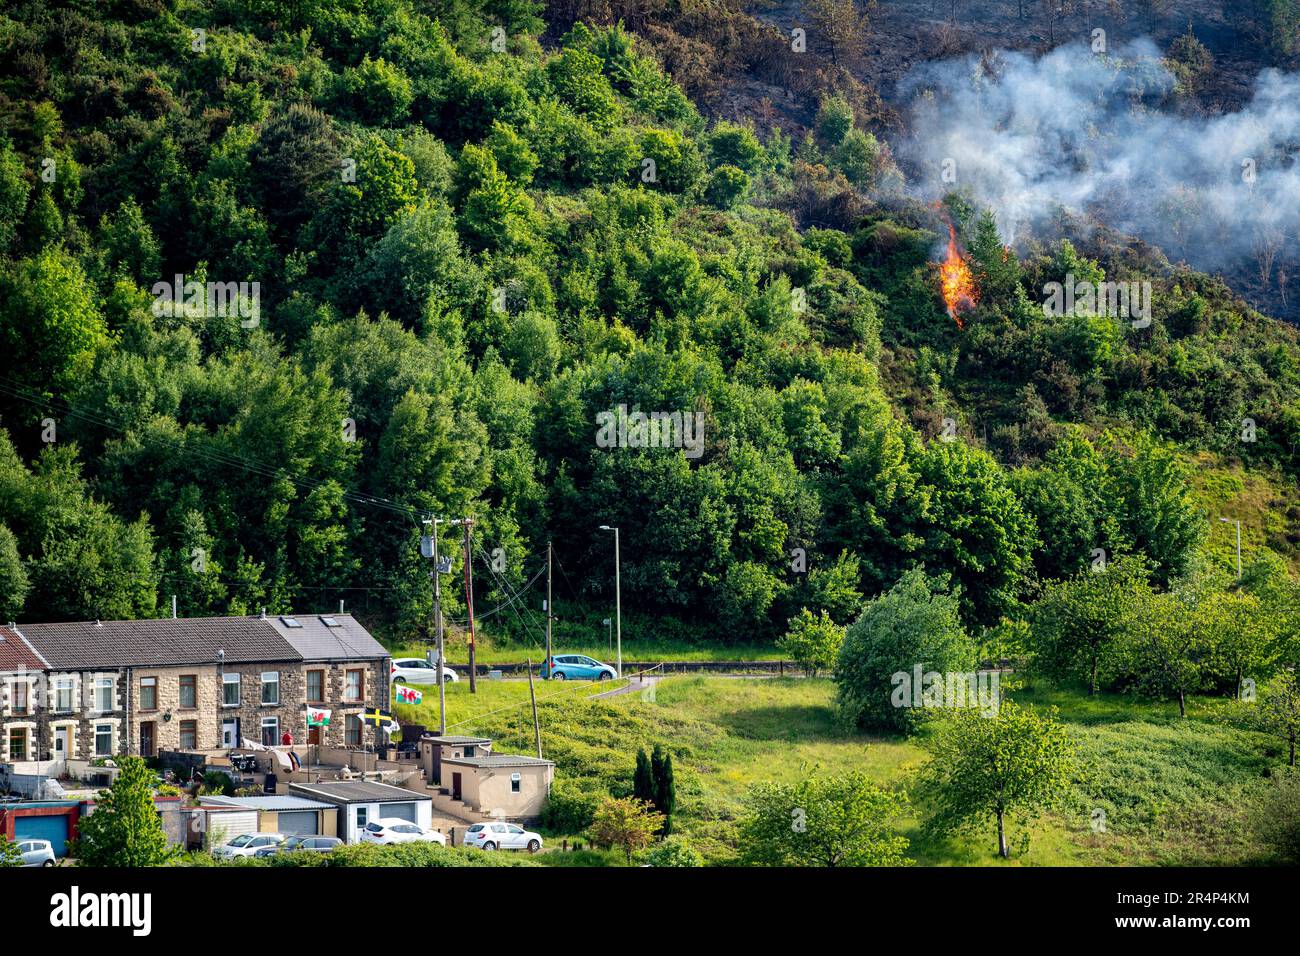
<point x="502" y="836"/>
<point x="416" y="670"/>
<point x="399" y="831"/>
<point x="36" y="852"/>
<point x="247" y="844"/>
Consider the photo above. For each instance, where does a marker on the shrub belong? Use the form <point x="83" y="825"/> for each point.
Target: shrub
<point x="674" y="851"/>
<point x="834" y="120"/>
<point x="812" y="641"/>
<point x="568" y="810"/>
<point x="1276" y="818"/>
<point x="727" y="186"/>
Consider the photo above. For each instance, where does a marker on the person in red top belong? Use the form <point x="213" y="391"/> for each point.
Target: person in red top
<point x="287" y="739"/>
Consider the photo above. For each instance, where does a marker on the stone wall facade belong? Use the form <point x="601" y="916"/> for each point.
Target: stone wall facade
<point x="168" y="721"/>
<point x="86" y="729"/>
<point x="374" y="692"/>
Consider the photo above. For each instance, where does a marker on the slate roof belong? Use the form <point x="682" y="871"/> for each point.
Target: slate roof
<point x="356" y="791"/>
<point x="317" y="641"/>
<point x="16" y="654"/>
<point x="86" y="645"/>
<point x="498" y="760"/>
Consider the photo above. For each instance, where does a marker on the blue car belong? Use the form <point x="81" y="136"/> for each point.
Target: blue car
<point x="577" y="667"/>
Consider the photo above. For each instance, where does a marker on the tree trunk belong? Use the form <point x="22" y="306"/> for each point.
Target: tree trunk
<point x="1293" y="751"/>
<point x="1002" y="838"/>
<point x="1182" y="703"/>
<point x="1092" y="685"/>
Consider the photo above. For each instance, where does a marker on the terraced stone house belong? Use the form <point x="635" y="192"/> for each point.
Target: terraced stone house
<point x="140" y="687"/>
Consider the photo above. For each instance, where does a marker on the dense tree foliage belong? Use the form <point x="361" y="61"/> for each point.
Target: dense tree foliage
<point x="458" y="247"/>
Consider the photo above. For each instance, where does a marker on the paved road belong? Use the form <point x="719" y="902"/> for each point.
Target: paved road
<point x="633" y="686"/>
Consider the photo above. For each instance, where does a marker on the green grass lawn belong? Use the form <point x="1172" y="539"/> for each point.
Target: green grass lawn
<point x="1173" y="790"/>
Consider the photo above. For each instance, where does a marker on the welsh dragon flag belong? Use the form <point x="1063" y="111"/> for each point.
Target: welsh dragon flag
<point x="317" y="717"/>
<point x="409" y="695"/>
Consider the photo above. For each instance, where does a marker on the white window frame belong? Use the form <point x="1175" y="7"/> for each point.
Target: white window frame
<point x="64" y="685"/>
<point x="274" y="681"/>
<point x="101" y="727"/>
<point x="271" y="722"/>
<point x="104" y="683"/>
<point x="231" y="680"/>
<point x="516" y="783"/>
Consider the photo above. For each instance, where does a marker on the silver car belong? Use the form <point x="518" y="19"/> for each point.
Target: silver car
<point x="37" y="852"/>
<point x="247" y="844"/>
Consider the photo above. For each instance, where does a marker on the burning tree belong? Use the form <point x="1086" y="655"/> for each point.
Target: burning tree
<point x="956" y="281"/>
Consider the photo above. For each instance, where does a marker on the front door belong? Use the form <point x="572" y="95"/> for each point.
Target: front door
<point x="230" y="734"/>
<point x="455" y="786"/>
<point x="313" y="736"/>
<point x="62" y="742"/>
<point x="147" y="738"/>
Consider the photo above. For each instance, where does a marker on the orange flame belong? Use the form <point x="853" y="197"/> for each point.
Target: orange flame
<point x="956" y="282"/>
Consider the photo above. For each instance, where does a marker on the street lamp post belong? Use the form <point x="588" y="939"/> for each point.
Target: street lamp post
<point x="437" y="618"/>
<point x="1238" y="524"/>
<point x="618" y="603"/>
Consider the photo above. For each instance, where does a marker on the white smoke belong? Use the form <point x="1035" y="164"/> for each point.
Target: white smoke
<point x="1094" y="134"/>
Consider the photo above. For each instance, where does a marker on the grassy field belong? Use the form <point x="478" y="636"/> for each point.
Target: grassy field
<point x="1173" y="791"/>
<point x="643" y="649"/>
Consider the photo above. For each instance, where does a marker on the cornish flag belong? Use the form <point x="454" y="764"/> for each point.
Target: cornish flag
<point x="317" y="717"/>
<point x="409" y="695"/>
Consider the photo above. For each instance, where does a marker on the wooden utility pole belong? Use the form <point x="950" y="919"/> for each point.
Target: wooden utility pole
<point x="532" y="694"/>
<point x="549" y="615"/>
<point x="469" y="603"/>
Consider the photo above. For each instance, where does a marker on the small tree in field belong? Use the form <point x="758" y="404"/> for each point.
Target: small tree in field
<point x="630" y="825"/>
<point x="812" y="642"/>
<point x="124" y="830"/>
<point x="1015" y="764"/>
<point x="1279" y="710"/>
<point x="830" y="821"/>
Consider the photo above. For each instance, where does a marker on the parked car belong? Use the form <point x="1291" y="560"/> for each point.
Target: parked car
<point x="36" y="852"/>
<point x="309" y="844"/>
<point x="399" y="831"/>
<point x="502" y="836"/>
<point x="577" y="667"/>
<point x="416" y="670"/>
<point x="247" y="844"/>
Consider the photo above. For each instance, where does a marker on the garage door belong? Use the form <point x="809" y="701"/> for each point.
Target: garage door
<point x="225" y="825"/>
<point x="399" y="811"/>
<point x="52" y="828"/>
<point x="298" y="822"/>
